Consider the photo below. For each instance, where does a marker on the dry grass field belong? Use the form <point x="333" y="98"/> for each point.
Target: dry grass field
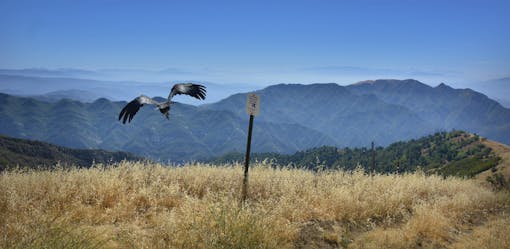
<point x="503" y="151"/>
<point x="141" y="205"/>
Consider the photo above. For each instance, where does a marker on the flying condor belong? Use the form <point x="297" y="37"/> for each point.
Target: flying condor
<point x="193" y="90"/>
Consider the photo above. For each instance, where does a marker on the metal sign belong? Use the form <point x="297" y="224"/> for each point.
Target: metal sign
<point x="253" y="104"/>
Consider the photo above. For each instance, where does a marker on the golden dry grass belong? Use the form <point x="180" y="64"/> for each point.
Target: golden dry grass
<point x="140" y="205"/>
<point x="503" y="151"/>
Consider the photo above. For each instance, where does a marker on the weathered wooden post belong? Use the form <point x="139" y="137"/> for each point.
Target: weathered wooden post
<point x="253" y="109"/>
<point x="372" y="170"/>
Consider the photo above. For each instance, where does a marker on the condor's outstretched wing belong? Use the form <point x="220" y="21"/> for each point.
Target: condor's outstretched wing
<point x="129" y="111"/>
<point x="193" y="90"/>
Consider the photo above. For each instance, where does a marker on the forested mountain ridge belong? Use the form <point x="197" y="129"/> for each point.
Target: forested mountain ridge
<point x="24" y="153"/>
<point x="191" y="133"/>
<point x="448" y="153"/>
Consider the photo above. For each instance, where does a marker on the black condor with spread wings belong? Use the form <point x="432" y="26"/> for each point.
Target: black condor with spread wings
<point x="193" y="90"/>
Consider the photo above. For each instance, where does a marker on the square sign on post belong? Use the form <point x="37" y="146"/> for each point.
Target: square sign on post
<point x="252" y="108"/>
<point x="253" y="104"/>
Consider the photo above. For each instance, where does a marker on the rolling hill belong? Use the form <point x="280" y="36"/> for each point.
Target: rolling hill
<point x="503" y="168"/>
<point x="446" y="153"/>
<point x="24" y="153"/>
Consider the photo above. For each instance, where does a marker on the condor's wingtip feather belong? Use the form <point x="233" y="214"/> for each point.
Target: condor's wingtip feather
<point x="131" y="108"/>
<point x="194" y="90"/>
<point x="122" y="112"/>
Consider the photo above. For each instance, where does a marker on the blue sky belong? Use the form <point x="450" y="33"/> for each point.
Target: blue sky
<point x="262" y="42"/>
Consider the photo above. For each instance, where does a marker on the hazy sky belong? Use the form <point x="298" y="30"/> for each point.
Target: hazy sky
<point x="263" y="42"/>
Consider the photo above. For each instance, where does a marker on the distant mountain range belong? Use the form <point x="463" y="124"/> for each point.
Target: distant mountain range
<point x="348" y="119"/>
<point x="191" y="133"/>
<point x="499" y="89"/>
<point x="32" y="154"/>
<point x="444" y="107"/>
<point x="56" y="85"/>
<point x="383" y="110"/>
<point x="293" y="117"/>
<point x="80" y="95"/>
<point x="126" y="83"/>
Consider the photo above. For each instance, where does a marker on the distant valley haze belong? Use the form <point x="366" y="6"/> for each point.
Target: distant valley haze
<point x="32" y="83"/>
<point x="87" y="85"/>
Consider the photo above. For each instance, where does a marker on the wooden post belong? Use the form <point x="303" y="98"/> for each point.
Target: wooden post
<point x="253" y="109"/>
<point x="247" y="161"/>
<point x="372" y="170"/>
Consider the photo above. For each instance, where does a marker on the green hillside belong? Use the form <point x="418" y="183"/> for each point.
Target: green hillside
<point x="447" y="153"/>
<point x="31" y="154"/>
<point x="191" y="133"/>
